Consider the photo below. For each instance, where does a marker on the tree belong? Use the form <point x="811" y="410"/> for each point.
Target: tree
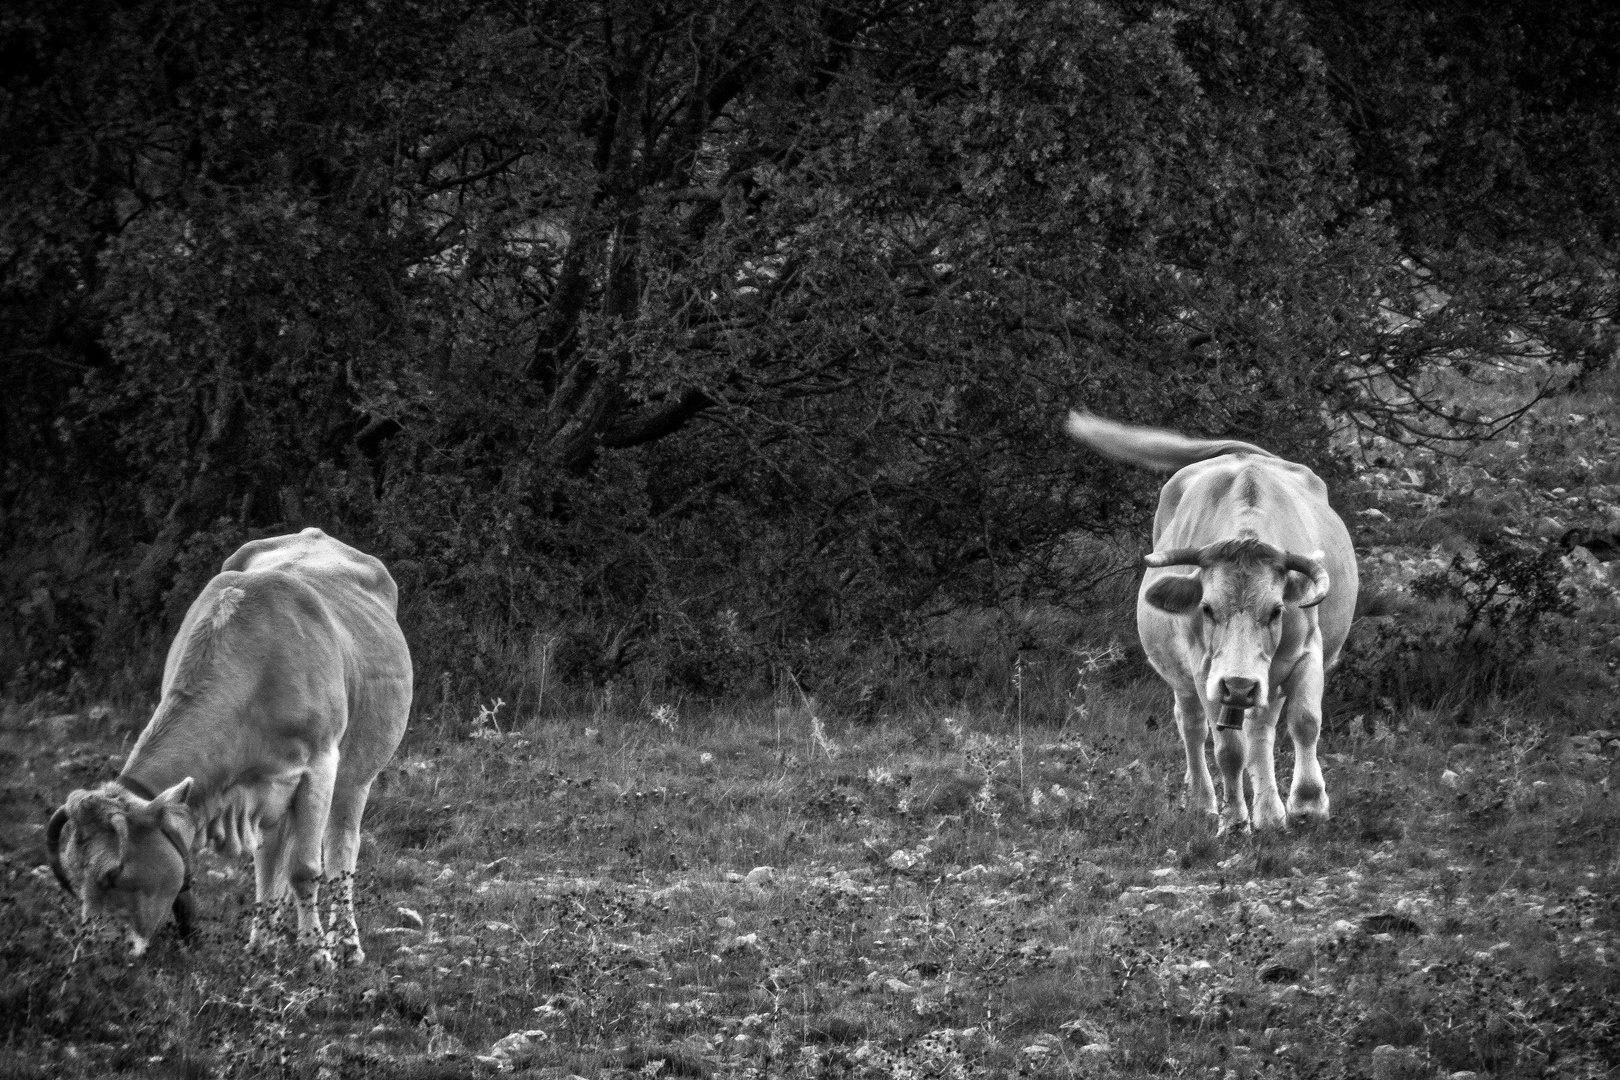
<point x="719" y="335"/>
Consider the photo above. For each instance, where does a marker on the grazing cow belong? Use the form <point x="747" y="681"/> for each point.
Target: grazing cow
<point x="1246" y="636"/>
<point x="285" y="691"/>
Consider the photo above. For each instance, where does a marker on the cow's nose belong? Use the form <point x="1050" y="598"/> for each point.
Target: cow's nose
<point x="1239" y="693"/>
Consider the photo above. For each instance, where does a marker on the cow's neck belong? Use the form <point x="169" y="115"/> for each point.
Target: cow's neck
<point x="184" y="738"/>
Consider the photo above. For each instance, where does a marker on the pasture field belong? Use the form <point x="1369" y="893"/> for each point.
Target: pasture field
<point x="673" y="891"/>
<point x="740" y="896"/>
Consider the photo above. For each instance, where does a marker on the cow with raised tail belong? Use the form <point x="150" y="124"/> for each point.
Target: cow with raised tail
<point x="285" y="691"/>
<point x="1247" y="601"/>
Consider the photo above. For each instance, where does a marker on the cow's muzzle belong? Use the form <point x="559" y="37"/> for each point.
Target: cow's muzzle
<point x="1239" y="693"/>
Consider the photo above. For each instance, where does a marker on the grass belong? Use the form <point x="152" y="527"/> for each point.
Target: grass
<point x="732" y="896"/>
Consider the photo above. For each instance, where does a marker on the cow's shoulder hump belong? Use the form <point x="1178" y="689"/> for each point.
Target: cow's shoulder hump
<point x="319" y="560"/>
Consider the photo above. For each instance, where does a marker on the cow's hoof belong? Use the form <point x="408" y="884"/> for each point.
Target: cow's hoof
<point x="1308" y="811"/>
<point x="321" y="960"/>
<point x="349" y="954"/>
<point x="1231" y="825"/>
<point x="1269" y="814"/>
<point x="1192" y="804"/>
<point x="1307" y="815"/>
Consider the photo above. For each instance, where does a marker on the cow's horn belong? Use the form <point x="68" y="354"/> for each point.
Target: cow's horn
<point x="53" y="849"/>
<point x="120" y="824"/>
<point x="1176" y="557"/>
<point x="1311" y="566"/>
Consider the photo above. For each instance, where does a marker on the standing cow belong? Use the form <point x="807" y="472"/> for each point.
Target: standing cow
<point x="285" y="691"/>
<point x="1247" y="634"/>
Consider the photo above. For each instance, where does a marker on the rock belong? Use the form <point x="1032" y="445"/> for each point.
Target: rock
<point x="1390" y="922"/>
<point x="1045" y="1043"/>
<point x="1394" y="1061"/>
<point x="517" y="1044"/>
<point x="1450" y="778"/>
<point x="760" y="875"/>
<point x="902" y="860"/>
<point x="1548" y="527"/>
<point x="1291" y="994"/>
<point x="1086" y="1032"/>
<point x="59" y="728"/>
<point x="408" y="918"/>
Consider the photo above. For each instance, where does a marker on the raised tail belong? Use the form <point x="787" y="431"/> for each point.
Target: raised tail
<point x="1150" y="448"/>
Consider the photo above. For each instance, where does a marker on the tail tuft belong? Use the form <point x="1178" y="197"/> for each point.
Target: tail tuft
<point x="1150" y="448"/>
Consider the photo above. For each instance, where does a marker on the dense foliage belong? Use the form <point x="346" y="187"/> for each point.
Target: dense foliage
<point x="721" y="339"/>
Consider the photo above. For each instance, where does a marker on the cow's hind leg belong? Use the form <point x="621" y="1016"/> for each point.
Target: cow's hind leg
<point x="1260" y="728"/>
<point x="1307" y="795"/>
<point x="342" y="853"/>
<point x="311" y="805"/>
<point x="1200" y="792"/>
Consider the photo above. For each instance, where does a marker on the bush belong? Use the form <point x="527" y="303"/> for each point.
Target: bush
<point x="1497" y="624"/>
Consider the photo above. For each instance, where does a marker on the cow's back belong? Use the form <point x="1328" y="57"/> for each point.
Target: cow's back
<point x="363" y="598"/>
<point x="1282" y="502"/>
<point x="316" y="557"/>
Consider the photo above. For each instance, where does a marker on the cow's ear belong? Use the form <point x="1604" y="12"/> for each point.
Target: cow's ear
<point x="1295" y="585"/>
<point x="1176" y="595"/>
<point x="174" y="796"/>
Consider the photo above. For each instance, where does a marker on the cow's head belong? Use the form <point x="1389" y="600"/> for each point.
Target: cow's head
<point x="1239" y="594"/>
<point x="126" y="858"/>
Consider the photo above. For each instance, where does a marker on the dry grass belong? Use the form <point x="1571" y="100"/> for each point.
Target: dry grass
<point x="941" y="900"/>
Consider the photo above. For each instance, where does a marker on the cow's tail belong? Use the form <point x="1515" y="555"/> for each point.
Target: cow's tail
<point x="1151" y="448"/>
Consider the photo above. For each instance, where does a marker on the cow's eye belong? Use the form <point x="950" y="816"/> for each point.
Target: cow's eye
<point x="1209" y="612"/>
<point x="1276" y="613"/>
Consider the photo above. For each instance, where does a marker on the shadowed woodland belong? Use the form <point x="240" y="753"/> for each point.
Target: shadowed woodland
<point x="690" y="346"/>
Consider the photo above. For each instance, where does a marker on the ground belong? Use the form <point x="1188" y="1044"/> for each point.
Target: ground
<point x="744" y="896"/>
<point x="767" y="891"/>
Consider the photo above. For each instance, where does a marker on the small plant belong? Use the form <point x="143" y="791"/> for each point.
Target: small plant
<point x="823" y="742"/>
<point x="486" y="724"/>
<point x="1091" y="663"/>
<point x="666" y="716"/>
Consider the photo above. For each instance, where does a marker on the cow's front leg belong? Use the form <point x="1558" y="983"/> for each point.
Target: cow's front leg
<point x="1260" y="730"/>
<point x="1229" y="754"/>
<point x="310" y="806"/>
<point x="1307" y="795"/>
<point x="1200" y="791"/>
